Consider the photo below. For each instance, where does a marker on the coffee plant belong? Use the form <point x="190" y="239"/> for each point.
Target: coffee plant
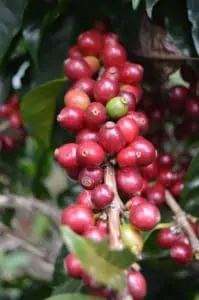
<point x="99" y="162"/>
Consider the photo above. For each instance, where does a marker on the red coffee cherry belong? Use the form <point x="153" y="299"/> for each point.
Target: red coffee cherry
<point x="113" y="54"/>
<point x="73" y="266"/>
<point x="84" y="199"/>
<point x="150" y="171"/>
<point x="102" y="225"/>
<point x="71" y="118"/>
<point x="129" y="129"/>
<point x="74" y="51"/>
<point x="90" y="42"/>
<point x="181" y="253"/>
<point x="93" y="63"/>
<point x="177" y="188"/>
<point x="90" y="154"/>
<point x="111" y="138"/>
<point x="144" y="216"/>
<point x="95" y="115"/>
<point x="86" y="85"/>
<point x="5" y="110"/>
<point x="166" y="177"/>
<point x="76" y="68"/>
<point x="166" y="160"/>
<point x="156" y="193"/>
<point x="126" y="157"/>
<point x="130" y="98"/>
<point x="8" y="143"/>
<point x="15" y="120"/>
<point x="94" y="233"/>
<point x="144" y="151"/>
<point x="183" y="238"/>
<point x="102" y="196"/>
<point x="104" y="293"/>
<point x="194" y="227"/>
<point x="129" y="181"/>
<point x="105" y="89"/>
<point x="77" y="98"/>
<point x="177" y="98"/>
<point x="131" y="73"/>
<point x="192" y="108"/>
<point x="112" y="73"/>
<point x="188" y="73"/>
<point x="90" y="177"/>
<point x="166" y="238"/>
<point x="136" y="90"/>
<point x="87" y="135"/>
<point x="66" y="155"/>
<point x="110" y="38"/>
<point x="78" y="218"/>
<point x="141" y="119"/>
<point x="136" y="284"/>
<point x="73" y="173"/>
<point x="137" y="200"/>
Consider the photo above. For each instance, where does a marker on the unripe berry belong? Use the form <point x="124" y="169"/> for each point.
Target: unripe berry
<point x="71" y="118"/>
<point x="73" y="266"/>
<point x="155" y="193"/>
<point x="130" y="98"/>
<point x="113" y="54"/>
<point x="76" y="68"/>
<point x="105" y="89"/>
<point x="93" y="63"/>
<point x="137" y="286"/>
<point x="181" y="253"/>
<point x="86" y="85"/>
<point x="87" y="135"/>
<point x="66" y="155"/>
<point x="131" y="73"/>
<point x="150" y="171"/>
<point x="132" y="238"/>
<point x="129" y="181"/>
<point x="144" y="216"/>
<point x="84" y="199"/>
<point x="126" y="157"/>
<point x="166" y="160"/>
<point x="117" y="107"/>
<point x="77" y="98"/>
<point x="95" y="115"/>
<point x="90" y="42"/>
<point x="166" y="238"/>
<point x="90" y="154"/>
<point x="112" y="73"/>
<point x="74" y="52"/>
<point x="78" y="218"/>
<point x="102" y="196"/>
<point x="129" y="129"/>
<point x="136" y="90"/>
<point x="141" y="119"/>
<point x="90" y="177"/>
<point x="144" y="150"/>
<point x="94" y="233"/>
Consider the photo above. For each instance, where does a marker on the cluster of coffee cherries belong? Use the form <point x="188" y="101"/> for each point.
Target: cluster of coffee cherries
<point x="11" y="126"/>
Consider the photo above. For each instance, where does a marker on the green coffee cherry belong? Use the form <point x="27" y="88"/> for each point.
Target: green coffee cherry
<point x="132" y="238"/>
<point x="117" y="107"/>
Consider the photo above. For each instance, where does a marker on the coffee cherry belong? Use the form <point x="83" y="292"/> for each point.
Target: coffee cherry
<point x="102" y="225"/>
<point x="111" y="38"/>
<point x="166" y="238"/>
<point x="84" y="199"/>
<point x="86" y="85"/>
<point x="192" y="108"/>
<point x="183" y="238"/>
<point x="112" y="73"/>
<point x="136" y="90"/>
<point x="73" y="266"/>
<point x="134" y="201"/>
<point x="187" y="73"/>
<point x="129" y="129"/>
<point x="102" y="196"/>
<point x="76" y="98"/>
<point x="132" y="238"/>
<point x="131" y="73"/>
<point x="126" y="157"/>
<point x="177" y="188"/>
<point x="95" y="115"/>
<point x="104" y="293"/>
<point x="71" y="118"/>
<point x="166" y="177"/>
<point x="74" y="52"/>
<point x="77" y="217"/>
<point x="155" y="193"/>
<point x="93" y="63"/>
<point x="144" y="216"/>
<point x="181" y="253"/>
<point x="166" y="160"/>
<point x="101" y="26"/>
<point x="113" y="54"/>
<point x="66" y="155"/>
<point x="90" y="154"/>
<point x="8" y="143"/>
<point x="87" y="135"/>
<point x="5" y="110"/>
<point x="130" y="98"/>
<point x="90" y="177"/>
<point x="141" y="120"/>
<point x="111" y="138"/>
<point x="94" y="233"/>
<point x="73" y="173"/>
<point x="90" y="42"/>
<point x="117" y="107"/>
<point x="194" y="227"/>
<point x="136" y="285"/>
<point x="177" y="95"/>
<point x="150" y="171"/>
<point x="144" y="151"/>
<point x="76" y="68"/>
<point x="105" y="89"/>
<point x="129" y="181"/>
<point x="15" y="120"/>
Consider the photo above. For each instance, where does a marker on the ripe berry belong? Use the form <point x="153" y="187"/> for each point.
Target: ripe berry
<point x="187" y="73"/>
<point x="15" y="120"/>
<point x="95" y="115"/>
<point x="111" y="38"/>
<point x="94" y="233"/>
<point x="8" y="143"/>
<point x="166" y="238"/>
<point x="129" y="181"/>
<point x="192" y="108"/>
<point x="150" y="171"/>
<point x="66" y="155"/>
<point x="86" y="85"/>
<point x="102" y="196"/>
<point x="76" y="68"/>
<point x="181" y="253"/>
<point x="73" y="266"/>
<point x="93" y="62"/>
<point x="90" y="154"/>
<point x="136" y="90"/>
<point x="73" y="173"/>
<point x="77" y="217"/>
<point x="131" y="73"/>
<point x="166" y="160"/>
<point x="194" y="227"/>
<point x="137" y="286"/>
<point x="113" y="54"/>
<point x="90" y="42"/>
<point x="112" y="73"/>
<point x="105" y="89"/>
<point x="87" y="135"/>
<point x="84" y="199"/>
<point x="129" y="129"/>
<point x="71" y="118"/>
<point x="166" y="177"/>
<point x="74" y="52"/>
<point x="132" y="238"/>
<point x="183" y="238"/>
<point x="177" y="95"/>
<point x="177" y="188"/>
<point x="141" y="119"/>
<point x="90" y="177"/>
<point x="104" y="293"/>
<point x="102" y="225"/>
<point x="5" y="110"/>
<point x="130" y="98"/>
<point x="155" y="193"/>
<point x="144" y="150"/>
<point x="134" y="201"/>
<point x="117" y="107"/>
<point x="111" y="138"/>
<point x="77" y="98"/>
<point x="144" y="216"/>
<point x="126" y="157"/>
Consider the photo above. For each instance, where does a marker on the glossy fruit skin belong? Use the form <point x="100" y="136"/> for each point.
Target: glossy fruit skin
<point x="71" y="118"/>
<point x="105" y="89"/>
<point x="150" y="171"/>
<point x="181" y="253"/>
<point x="111" y="38"/>
<point x="144" y="150"/>
<point x="90" y="154"/>
<point x="102" y="196"/>
<point x="113" y="54"/>
<point x="111" y="138"/>
<point x="73" y="266"/>
<point x="117" y="107"/>
<point x="129" y="181"/>
<point x="95" y="115"/>
<point x="166" y="177"/>
<point x="131" y="73"/>
<point x="112" y="73"/>
<point x="87" y="135"/>
<point x="76" y="68"/>
<point x="141" y="119"/>
<point x="94" y="233"/>
<point x="15" y="120"/>
<point x="73" y="173"/>
<point x="136" y="284"/>
<point x="77" y="217"/>
<point x="166" y="238"/>
<point x="134" y="201"/>
<point x="155" y="193"/>
<point x="90" y="177"/>
<point x="129" y="129"/>
<point x="166" y="160"/>
<point x="136" y="90"/>
<point x="126" y="157"/>
<point x="192" y="108"/>
<point x="177" y="188"/>
<point x="183" y="238"/>
<point x="5" y="110"/>
<point x="90" y="42"/>
<point x="74" y="52"/>
<point x="76" y="98"/>
<point x="86" y="85"/>
<point x="93" y="63"/>
<point x="84" y="199"/>
<point x="66" y="155"/>
<point x="177" y="95"/>
<point x="144" y="216"/>
<point x="102" y="225"/>
<point x="130" y="98"/>
<point x="132" y="238"/>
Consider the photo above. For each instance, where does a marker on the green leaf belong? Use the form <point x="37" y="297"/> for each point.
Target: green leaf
<point x="103" y="264"/>
<point x="11" y="15"/>
<point x="74" y="297"/>
<point x="32" y="36"/>
<point x="190" y="195"/>
<point x="150" y="4"/>
<point x="193" y="14"/>
<point x="135" y="4"/>
<point x="38" y="108"/>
